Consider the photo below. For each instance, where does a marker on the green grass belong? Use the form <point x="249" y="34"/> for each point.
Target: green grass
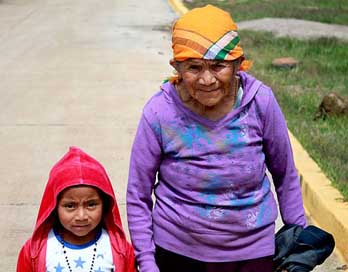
<point x="332" y="11"/>
<point x="323" y="68"/>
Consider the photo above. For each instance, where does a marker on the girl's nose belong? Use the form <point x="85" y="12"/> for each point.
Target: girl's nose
<point x="81" y="213"/>
<point x="207" y="78"/>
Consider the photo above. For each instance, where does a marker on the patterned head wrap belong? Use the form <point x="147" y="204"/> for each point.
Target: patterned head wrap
<point x="207" y="33"/>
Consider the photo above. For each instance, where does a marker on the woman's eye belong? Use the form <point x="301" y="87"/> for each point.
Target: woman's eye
<point x="218" y="67"/>
<point x="194" y="68"/>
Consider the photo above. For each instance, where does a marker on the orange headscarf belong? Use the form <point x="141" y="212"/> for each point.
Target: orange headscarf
<point x="207" y="33"/>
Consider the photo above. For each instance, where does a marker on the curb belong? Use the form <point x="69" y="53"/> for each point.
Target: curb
<point x="323" y="203"/>
<point x="178" y="6"/>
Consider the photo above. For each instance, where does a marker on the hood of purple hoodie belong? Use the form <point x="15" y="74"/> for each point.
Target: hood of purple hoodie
<point x="250" y="87"/>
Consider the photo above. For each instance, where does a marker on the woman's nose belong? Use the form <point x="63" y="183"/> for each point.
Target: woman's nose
<point x="207" y="78"/>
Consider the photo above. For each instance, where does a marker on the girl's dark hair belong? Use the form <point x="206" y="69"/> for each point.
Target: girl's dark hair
<point x="106" y="201"/>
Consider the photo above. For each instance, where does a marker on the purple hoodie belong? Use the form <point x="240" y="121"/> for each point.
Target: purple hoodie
<point x="213" y="198"/>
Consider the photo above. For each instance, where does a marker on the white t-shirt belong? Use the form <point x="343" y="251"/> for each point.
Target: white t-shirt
<point x="79" y="256"/>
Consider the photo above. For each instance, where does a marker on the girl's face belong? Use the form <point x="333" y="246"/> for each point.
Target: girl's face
<point x="80" y="210"/>
<point x="207" y="81"/>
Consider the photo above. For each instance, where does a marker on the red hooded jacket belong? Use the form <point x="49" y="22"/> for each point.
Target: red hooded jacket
<point x="75" y="168"/>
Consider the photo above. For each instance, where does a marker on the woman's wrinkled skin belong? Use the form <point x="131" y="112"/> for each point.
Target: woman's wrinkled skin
<point x="207" y="87"/>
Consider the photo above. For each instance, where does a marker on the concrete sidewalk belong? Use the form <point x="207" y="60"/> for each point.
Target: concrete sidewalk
<point x="296" y="28"/>
<point x="71" y="73"/>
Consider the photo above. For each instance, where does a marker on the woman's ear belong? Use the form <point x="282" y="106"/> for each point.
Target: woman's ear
<point x="237" y="63"/>
<point x="177" y="78"/>
<point x="174" y="64"/>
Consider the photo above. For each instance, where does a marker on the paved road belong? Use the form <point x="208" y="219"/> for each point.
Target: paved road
<point x="71" y="73"/>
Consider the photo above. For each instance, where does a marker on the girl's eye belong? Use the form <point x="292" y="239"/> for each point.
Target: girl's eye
<point x="69" y="205"/>
<point x="92" y="204"/>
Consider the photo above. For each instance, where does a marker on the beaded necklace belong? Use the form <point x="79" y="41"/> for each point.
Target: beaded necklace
<point x="67" y="260"/>
<point x="61" y="240"/>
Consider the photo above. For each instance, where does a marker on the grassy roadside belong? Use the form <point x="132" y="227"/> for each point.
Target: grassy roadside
<point x="323" y="68"/>
<point x="333" y="12"/>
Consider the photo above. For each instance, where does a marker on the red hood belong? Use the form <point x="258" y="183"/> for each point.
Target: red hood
<point x="75" y="168"/>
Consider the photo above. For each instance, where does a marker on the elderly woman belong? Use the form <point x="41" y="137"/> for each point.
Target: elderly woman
<point x="202" y="147"/>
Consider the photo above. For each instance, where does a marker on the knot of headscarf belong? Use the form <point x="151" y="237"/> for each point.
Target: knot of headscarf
<point x="207" y="33"/>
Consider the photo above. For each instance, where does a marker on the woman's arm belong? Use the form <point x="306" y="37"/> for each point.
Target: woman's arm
<point x="144" y="164"/>
<point x="280" y="163"/>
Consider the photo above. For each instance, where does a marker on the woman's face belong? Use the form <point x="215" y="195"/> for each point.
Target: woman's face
<point x="207" y="81"/>
<point x="80" y="210"/>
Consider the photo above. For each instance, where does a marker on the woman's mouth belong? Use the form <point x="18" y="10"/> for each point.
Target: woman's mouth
<point x="208" y="90"/>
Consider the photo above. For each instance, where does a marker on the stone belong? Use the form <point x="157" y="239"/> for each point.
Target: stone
<point x="285" y="62"/>
<point x="332" y="104"/>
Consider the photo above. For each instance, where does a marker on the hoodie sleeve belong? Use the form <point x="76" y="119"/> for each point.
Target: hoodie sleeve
<point x="24" y="259"/>
<point x="130" y="259"/>
<point x="280" y="163"/>
<point x="144" y="164"/>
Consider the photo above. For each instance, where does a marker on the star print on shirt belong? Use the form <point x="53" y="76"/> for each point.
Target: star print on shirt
<point x="59" y="268"/>
<point x="99" y="270"/>
<point x="79" y="262"/>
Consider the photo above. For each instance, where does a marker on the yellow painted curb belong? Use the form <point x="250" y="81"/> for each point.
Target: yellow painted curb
<point x="178" y="6"/>
<point x="322" y="201"/>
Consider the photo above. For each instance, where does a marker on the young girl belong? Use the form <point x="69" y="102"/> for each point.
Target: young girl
<point x="78" y="227"/>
